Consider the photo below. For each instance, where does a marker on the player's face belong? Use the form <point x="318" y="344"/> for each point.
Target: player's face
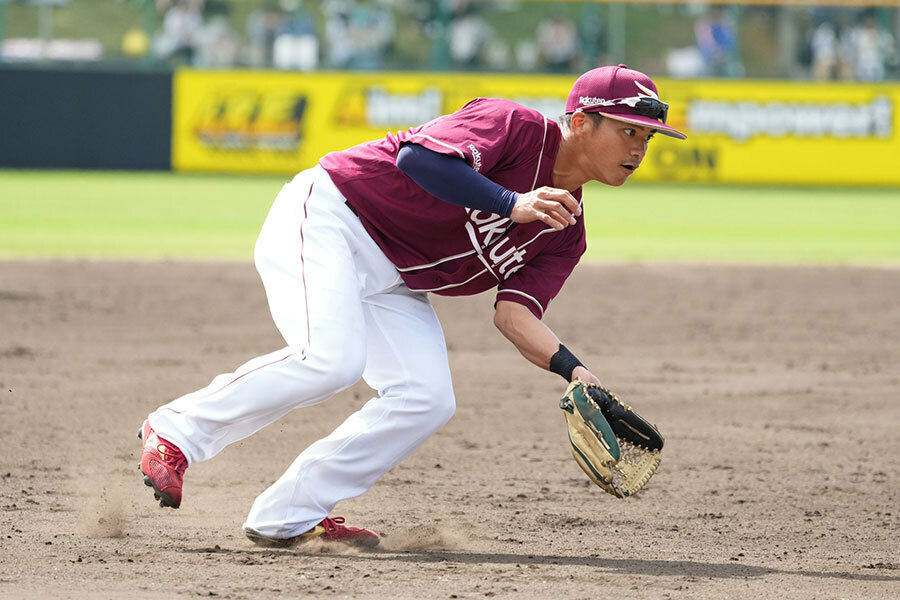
<point x="614" y="150"/>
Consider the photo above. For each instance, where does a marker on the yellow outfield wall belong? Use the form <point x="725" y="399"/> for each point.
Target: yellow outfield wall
<point x="762" y="132"/>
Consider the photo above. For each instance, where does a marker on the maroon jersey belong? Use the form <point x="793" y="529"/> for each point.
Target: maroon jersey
<point x="454" y="251"/>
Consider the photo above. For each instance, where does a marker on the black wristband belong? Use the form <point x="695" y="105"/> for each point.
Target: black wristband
<point x="564" y="362"/>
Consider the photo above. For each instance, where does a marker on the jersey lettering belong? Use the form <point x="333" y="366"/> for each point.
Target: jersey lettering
<point x="517" y="257"/>
<point x="480" y="216"/>
<point x="497" y="258"/>
<point x="493" y="230"/>
<point x="486" y="230"/>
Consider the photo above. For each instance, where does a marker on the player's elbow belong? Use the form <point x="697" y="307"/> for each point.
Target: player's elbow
<point x="407" y="158"/>
<point x="498" y="321"/>
<point x="505" y="317"/>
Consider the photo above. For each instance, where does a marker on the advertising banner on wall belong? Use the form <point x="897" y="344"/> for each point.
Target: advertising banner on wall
<point x="739" y="131"/>
<point x="780" y="133"/>
<point x="284" y="122"/>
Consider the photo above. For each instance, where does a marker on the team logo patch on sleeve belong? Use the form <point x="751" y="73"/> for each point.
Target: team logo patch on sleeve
<point x="476" y="157"/>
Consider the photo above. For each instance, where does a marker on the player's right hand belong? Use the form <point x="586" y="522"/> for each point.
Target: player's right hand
<point x="555" y="207"/>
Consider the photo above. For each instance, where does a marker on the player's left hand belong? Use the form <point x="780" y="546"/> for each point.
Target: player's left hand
<point x="580" y="372"/>
<point x="615" y="446"/>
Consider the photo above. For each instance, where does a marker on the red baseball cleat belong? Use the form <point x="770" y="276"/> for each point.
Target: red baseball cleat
<point x="331" y="529"/>
<point x="163" y="466"/>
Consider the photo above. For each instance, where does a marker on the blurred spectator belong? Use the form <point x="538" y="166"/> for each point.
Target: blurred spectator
<point x="262" y="27"/>
<point x="216" y="44"/>
<point x="593" y="34"/>
<point x="358" y="34"/>
<point x="717" y="43"/>
<point x="685" y="62"/>
<point x="337" y="32"/>
<point x="497" y="55"/>
<point x="558" y="41"/>
<point x="469" y="33"/>
<point x="869" y="48"/>
<point x="182" y="20"/>
<point x="827" y="62"/>
<point x="297" y="43"/>
<point x="370" y="31"/>
<point x="528" y="54"/>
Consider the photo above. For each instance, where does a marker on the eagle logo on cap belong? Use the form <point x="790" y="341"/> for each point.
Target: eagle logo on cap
<point x="643" y="92"/>
<point x="648" y="93"/>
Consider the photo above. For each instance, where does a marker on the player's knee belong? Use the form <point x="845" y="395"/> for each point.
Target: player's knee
<point x="439" y="399"/>
<point x="345" y="371"/>
<point x="335" y="371"/>
<point x="445" y="409"/>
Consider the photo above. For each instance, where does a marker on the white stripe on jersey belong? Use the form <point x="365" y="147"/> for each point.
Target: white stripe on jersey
<point x="540" y="155"/>
<point x="538" y="304"/>
<point x="462" y="155"/>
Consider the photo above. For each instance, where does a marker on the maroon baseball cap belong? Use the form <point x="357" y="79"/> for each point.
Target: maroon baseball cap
<point x="621" y="94"/>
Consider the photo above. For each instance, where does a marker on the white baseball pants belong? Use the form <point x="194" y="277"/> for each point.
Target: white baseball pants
<point x="345" y="313"/>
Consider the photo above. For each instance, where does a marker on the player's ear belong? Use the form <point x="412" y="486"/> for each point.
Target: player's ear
<point x="579" y="121"/>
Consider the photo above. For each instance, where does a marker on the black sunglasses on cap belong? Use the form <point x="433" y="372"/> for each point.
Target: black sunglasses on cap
<point x="642" y="105"/>
<point x="653" y="108"/>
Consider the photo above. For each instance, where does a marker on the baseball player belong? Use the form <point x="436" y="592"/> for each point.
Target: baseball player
<point x="488" y="197"/>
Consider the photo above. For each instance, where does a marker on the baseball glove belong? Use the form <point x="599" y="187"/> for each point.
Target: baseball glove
<point x="617" y="448"/>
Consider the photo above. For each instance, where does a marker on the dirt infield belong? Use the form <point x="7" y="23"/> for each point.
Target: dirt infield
<point x="777" y="390"/>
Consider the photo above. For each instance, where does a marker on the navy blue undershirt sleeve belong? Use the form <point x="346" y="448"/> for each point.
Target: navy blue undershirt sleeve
<point x="453" y="180"/>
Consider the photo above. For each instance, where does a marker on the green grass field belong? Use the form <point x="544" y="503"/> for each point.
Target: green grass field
<point x="164" y="215"/>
